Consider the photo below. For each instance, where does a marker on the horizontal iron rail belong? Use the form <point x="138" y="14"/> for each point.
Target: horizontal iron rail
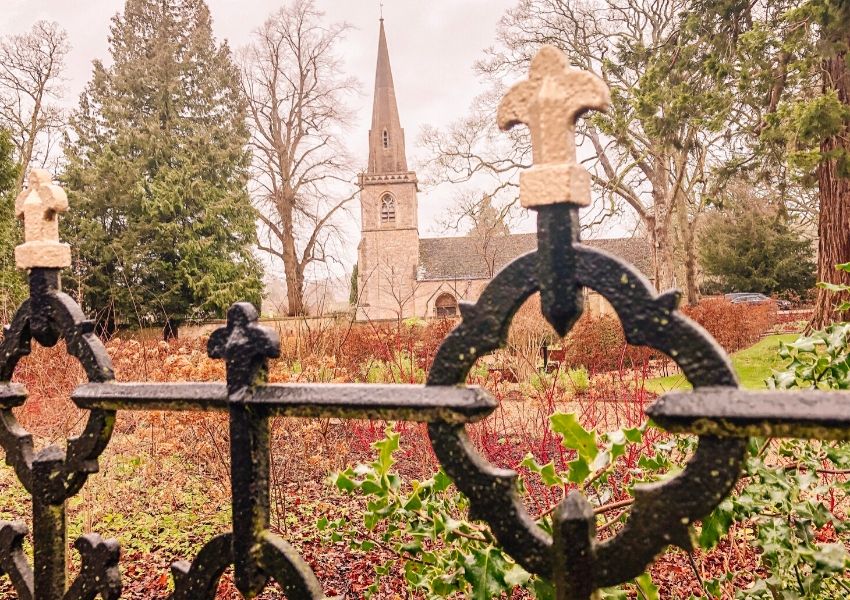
<point x="733" y="412"/>
<point x="12" y="394"/>
<point x="402" y="402"/>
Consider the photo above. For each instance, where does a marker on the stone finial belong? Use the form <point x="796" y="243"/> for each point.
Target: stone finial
<point x="39" y="206"/>
<point x="549" y="102"/>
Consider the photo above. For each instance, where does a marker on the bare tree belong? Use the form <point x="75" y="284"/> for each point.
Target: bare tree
<point x="31" y="66"/>
<point x="475" y="214"/>
<point x="303" y="177"/>
<point x="395" y="286"/>
<point x="651" y="153"/>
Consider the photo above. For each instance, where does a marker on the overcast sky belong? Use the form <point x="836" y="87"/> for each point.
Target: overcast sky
<point x="432" y="44"/>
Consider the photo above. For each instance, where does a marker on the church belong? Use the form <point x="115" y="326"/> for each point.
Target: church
<point x="399" y="274"/>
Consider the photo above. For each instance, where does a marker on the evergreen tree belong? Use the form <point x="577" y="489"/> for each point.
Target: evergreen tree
<point x="751" y="248"/>
<point x="160" y="221"/>
<point x="789" y="63"/>
<point x="12" y="289"/>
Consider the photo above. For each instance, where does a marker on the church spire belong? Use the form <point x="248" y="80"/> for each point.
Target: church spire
<point x="386" y="138"/>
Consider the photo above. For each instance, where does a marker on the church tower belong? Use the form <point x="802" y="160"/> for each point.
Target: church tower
<point x="388" y="254"/>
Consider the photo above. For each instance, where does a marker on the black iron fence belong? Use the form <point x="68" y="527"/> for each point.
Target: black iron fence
<point x="717" y="410"/>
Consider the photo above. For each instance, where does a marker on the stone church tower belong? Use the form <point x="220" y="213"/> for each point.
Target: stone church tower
<point x="388" y="254"/>
<point x="401" y="275"/>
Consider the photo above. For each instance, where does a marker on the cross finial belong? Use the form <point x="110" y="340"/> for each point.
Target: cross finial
<point x="39" y="206"/>
<point x="245" y="345"/>
<point x="549" y="102"/>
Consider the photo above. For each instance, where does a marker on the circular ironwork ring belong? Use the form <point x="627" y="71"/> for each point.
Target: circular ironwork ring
<point x="663" y="511"/>
<point x="50" y="315"/>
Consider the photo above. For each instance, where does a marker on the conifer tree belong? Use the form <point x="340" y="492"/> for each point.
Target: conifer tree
<point x="160" y="221"/>
<point x="11" y="283"/>
<point x="789" y="63"/>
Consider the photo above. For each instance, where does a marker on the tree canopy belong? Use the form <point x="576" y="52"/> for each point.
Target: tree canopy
<point x="161" y="222"/>
<point x="786" y="61"/>
<point x="11" y="285"/>
<point x="751" y="248"/>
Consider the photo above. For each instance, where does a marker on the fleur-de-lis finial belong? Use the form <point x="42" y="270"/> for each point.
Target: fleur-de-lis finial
<point x="245" y="345"/>
<point x="549" y="102"/>
<point x="39" y="206"/>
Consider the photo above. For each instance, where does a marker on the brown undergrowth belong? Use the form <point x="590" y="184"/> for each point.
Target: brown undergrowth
<point x="163" y="485"/>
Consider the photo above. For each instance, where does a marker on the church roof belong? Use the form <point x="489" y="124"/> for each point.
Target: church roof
<point x="466" y="258"/>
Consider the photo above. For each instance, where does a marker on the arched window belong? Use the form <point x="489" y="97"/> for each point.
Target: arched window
<point x="445" y="306"/>
<point x="387" y="209"/>
<point x="386" y="138"/>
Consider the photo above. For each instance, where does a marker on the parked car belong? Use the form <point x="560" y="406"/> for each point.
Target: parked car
<point x="756" y="298"/>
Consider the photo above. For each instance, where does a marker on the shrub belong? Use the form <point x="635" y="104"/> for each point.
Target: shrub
<point x="751" y="247"/>
<point x="424" y="523"/>
<point x="734" y="326"/>
<point x="577" y="380"/>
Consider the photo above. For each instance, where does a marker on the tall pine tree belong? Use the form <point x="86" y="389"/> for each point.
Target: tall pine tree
<point x="11" y="283"/>
<point x="160" y="221"/>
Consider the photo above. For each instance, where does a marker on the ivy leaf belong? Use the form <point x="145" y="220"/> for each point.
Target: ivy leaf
<point x="832" y="557"/>
<point x="441" y="481"/>
<point x="543" y="590"/>
<point x="634" y="435"/>
<point x="344" y="483"/>
<point x="516" y="576"/>
<point x="386" y="447"/>
<point x="833" y="287"/>
<point x="547" y="472"/>
<point x="579" y="470"/>
<point x="716" y="525"/>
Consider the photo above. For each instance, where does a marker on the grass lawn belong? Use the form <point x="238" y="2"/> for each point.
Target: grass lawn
<point x="753" y="365"/>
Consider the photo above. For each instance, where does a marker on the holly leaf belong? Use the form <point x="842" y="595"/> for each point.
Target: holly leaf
<point x="649" y="590"/>
<point x="485" y="572"/>
<point x="574" y="436"/>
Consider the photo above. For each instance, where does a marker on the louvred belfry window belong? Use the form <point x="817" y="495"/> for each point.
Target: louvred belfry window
<point x="387" y="209"/>
<point x="386" y="138"/>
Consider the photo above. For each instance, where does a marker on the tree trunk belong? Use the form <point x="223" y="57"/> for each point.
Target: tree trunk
<point x="171" y="330"/>
<point x="692" y="289"/>
<point x="834" y="219"/>
<point x="294" y="280"/>
<point x="292" y="267"/>
<point x="686" y="236"/>
<point x="662" y="259"/>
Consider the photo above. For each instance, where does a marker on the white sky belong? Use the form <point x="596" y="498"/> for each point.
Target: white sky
<point x="433" y="45"/>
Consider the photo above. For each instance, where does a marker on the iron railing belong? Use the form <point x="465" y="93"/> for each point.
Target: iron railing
<point x="718" y="411"/>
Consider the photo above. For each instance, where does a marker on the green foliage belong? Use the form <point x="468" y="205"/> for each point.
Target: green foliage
<point x="773" y="55"/>
<point x="353" y="292"/>
<point x="785" y="508"/>
<point x="820" y="360"/>
<point x="838" y="288"/>
<point x="161" y="222"/>
<point x="12" y="289"/>
<point x="748" y="249"/>
<point x="402" y="369"/>
<point x="424" y="523"/>
<point x="575" y="381"/>
<point x="782" y="508"/>
<point x="802" y="541"/>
